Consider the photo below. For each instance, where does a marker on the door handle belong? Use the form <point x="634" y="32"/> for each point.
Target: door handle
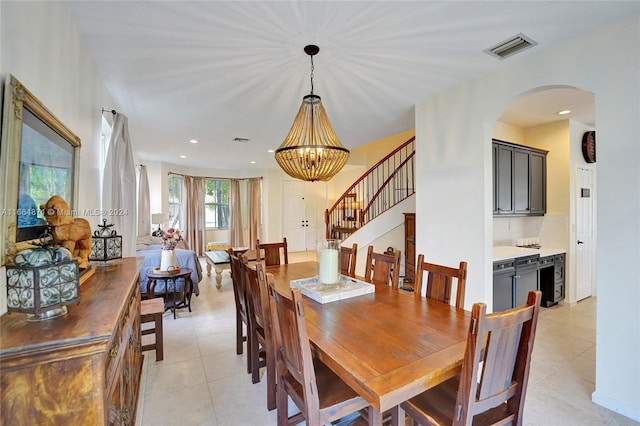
<point x="580" y="242"/>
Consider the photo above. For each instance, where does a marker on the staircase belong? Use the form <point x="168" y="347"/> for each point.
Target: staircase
<point x="384" y="185"/>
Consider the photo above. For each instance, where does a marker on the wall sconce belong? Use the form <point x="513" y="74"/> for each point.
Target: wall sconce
<point x="42" y="281"/>
<point x="106" y="244"/>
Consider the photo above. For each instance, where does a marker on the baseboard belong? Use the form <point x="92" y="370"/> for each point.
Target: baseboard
<point x="616" y="406"/>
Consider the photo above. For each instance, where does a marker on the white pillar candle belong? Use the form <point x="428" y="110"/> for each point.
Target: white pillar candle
<point x="328" y="270"/>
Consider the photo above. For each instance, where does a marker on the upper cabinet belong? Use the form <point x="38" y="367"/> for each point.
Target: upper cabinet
<point x="519" y="180"/>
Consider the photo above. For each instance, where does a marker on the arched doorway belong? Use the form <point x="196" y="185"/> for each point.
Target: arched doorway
<point x="534" y="120"/>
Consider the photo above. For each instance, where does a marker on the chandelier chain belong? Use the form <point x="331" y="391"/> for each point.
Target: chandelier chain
<point x="312" y="68"/>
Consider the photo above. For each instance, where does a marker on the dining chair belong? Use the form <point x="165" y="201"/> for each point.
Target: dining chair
<point x="272" y="252"/>
<point x="262" y="353"/>
<point x="242" y="312"/>
<point x="382" y="268"/>
<point x="348" y="260"/>
<point x="492" y="385"/>
<point x="439" y="281"/>
<point x="320" y="395"/>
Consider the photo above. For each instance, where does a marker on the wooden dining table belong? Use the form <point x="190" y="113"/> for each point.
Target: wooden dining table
<point x="388" y="345"/>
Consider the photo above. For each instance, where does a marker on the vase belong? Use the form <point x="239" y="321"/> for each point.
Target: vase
<point x="168" y="261"/>
<point x="329" y="264"/>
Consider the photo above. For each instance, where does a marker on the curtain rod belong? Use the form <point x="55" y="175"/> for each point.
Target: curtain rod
<point x="214" y="177"/>
<point x="113" y="111"/>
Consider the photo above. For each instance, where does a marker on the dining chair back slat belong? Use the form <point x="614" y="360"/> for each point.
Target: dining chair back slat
<point x="439" y="281"/>
<point x="272" y="252"/>
<point x="383" y="268"/>
<point x="242" y="312"/>
<point x="348" y="257"/>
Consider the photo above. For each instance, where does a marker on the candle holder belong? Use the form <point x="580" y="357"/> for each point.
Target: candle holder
<point x="42" y="281"/>
<point x="329" y="264"/>
<point x="106" y="244"/>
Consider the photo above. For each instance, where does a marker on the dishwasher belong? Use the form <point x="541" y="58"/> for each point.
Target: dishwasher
<point x="526" y="278"/>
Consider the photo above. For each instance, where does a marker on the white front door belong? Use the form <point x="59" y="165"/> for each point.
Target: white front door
<point x="584" y="233"/>
<point x="302" y="213"/>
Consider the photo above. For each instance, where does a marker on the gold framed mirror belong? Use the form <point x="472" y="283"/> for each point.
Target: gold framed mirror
<point x="39" y="158"/>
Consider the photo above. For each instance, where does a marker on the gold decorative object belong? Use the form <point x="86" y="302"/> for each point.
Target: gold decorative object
<point x="74" y="233"/>
<point x="311" y="151"/>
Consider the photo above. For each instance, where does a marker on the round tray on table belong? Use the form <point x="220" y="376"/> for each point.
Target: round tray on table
<point x="158" y="271"/>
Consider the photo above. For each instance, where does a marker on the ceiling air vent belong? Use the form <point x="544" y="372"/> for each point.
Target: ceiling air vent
<point x="510" y="46"/>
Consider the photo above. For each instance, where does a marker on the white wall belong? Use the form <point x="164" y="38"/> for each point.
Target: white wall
<point x="40" y="46"/>
<point x="453" y="136"/>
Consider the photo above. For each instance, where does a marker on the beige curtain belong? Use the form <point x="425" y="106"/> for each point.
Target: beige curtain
<point x="193" y="213"/>
<point x="254" y="206"/>
<point x="144" y="211"/>
<point x="119" y="185"/>
<point x="244" y="212"/>
<point x="235" y="214"/>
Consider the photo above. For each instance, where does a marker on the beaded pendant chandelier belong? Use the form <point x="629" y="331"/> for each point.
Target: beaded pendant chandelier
<point x="311" y="151"/>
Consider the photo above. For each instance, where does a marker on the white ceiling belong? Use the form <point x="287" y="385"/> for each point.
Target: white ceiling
<point x="216" y="70"/>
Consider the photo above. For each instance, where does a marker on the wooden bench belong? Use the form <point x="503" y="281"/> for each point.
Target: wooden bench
<point x="151" y="310"/>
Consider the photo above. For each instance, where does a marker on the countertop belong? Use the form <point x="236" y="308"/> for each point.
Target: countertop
<point x="509" y="252"/>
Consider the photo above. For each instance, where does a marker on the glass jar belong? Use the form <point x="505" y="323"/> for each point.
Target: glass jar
<point x="329" y="264"/>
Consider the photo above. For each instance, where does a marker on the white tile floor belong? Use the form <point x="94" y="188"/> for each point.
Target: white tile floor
<point x="202" y="381"/>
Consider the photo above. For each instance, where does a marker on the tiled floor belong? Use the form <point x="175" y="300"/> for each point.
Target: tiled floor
<point x="202" y="381"/>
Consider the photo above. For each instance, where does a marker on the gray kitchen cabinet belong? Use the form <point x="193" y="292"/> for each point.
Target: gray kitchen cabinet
<point x="526" y="278"/>
<point x="503" y="179"/>
<point x="503" y="276"/>
<point x="494" y="156"/>
<point x="519" y="180"/>
<point x="513" y="279"/>
<point x="538" y="182"/>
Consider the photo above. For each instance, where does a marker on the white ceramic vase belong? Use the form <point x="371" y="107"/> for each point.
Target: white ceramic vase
<point x="168" y="261"/>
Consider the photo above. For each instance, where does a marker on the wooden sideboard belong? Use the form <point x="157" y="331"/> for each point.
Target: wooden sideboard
<point x="79" y="369"/>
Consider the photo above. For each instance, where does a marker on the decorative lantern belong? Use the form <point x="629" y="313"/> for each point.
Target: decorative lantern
<point x="42" y="281"/>
<point x="106" y="245"/>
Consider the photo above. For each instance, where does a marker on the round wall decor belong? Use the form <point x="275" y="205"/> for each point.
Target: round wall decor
<point x="589" y="146"/>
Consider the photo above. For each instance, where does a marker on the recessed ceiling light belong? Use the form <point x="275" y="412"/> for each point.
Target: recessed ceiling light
<point x="271" y="150"/>
<point x="183" y="156"/>
<point x="252" y="162"/>
<point x="564" y="112"/>
<point x="193" y="141"/>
